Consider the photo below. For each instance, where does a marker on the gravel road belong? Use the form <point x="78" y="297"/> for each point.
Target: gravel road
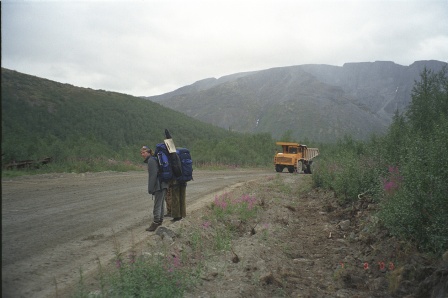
<point x="54" y="225"/>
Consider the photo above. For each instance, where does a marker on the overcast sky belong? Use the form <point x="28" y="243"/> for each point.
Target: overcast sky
<point x="150" y="47"/>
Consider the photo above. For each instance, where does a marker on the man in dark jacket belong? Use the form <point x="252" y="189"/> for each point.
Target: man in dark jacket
<point x="156" y="188"/>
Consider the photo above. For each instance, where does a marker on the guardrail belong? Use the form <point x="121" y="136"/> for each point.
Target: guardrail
<point x="23" y="164"/>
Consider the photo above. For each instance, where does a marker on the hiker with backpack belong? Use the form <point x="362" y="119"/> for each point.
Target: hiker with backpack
<point x="156" y="187"/>
<point x="178" y="186"/>
<point x="169" y="171"/>
<point x="175" y="167"/>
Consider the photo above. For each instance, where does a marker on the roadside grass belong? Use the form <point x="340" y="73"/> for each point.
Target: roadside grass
<point x="75" y="166"/>
<point x="219" y="166"/>
<point x="170" y="269"/>
<point x="103" y="165"/>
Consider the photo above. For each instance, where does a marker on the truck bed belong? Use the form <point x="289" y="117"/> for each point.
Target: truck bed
<point x="311" y="153"/>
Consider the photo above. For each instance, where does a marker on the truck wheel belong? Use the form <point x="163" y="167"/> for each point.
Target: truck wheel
<point x="278" y="168"/>
<point x="291" y="169"/>
<point x="308" y="169"/>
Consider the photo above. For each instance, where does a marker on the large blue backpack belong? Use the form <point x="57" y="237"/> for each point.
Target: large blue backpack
<point x="162" y="157"/>
<point x="186" y="165"/>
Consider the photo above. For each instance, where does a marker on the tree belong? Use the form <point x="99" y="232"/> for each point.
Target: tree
<point x="287" y="136"/>
<point x="429" y="101"/>
<point x="395" y="140"/>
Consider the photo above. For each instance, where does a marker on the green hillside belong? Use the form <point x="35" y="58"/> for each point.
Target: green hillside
<point x="43" y="118"/>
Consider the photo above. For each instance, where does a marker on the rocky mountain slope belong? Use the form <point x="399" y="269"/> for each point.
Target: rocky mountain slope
<point x="315" y="102"/>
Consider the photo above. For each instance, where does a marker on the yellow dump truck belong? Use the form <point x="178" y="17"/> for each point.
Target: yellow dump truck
<point x="295" y="157"/>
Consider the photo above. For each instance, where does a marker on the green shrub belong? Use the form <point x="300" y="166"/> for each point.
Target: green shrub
<point x="406" y="170"/>
<point x="419" y="210"/>
<point x="149" y="276"/>
<point x="347" y="173"/>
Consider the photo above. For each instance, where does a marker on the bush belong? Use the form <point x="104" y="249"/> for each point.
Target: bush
<point x="419" y="209"/>
<point x="348" y="170"/>
<point x="149" y="276"/>
<point x="406" y="170"/>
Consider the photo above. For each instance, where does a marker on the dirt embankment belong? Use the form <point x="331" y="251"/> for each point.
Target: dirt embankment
<point x="304" y="244"/>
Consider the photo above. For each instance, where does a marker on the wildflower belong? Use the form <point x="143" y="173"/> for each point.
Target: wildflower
<point x="248" y="200"/>
<point x="389" y="185"/>
<point x="391" y="266"/>
<point x="220" y="201"/>
<point x="392" y="183"/>
<point x="206" y="224"/>
<point x="175" y="263"/>
<point x="223" y="204"/>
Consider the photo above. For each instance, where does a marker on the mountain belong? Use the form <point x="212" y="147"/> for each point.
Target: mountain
<point x="315" y="102"/>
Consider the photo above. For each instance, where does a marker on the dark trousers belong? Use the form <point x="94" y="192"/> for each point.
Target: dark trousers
<point x="178" y="202"/>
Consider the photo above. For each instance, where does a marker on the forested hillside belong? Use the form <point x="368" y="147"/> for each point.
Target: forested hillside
<point x="43" y="118"/>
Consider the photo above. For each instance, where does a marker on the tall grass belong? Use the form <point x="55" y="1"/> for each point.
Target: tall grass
<point x="149" y="276"/>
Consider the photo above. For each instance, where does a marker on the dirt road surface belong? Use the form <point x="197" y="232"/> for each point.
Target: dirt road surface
<point x="55" y="225"/>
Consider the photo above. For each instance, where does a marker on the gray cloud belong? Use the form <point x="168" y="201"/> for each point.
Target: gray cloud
<point x="156" y="46"/>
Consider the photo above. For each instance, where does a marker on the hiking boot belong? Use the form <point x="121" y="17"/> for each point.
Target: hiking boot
<point x="176" y="219"/>
<point x="153" y="227"/>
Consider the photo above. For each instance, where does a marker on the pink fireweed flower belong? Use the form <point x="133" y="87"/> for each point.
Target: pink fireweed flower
<point x="246" y="199"/>
<point x="251" y="201"/>
<point x="206" y="224"/>
<point x="223" y="204"/>
<point x="389" y="185"/>
<point x="391" y="266"/>
<point x="174" y="263"/>
<point x="392" y="183"/>
<point x="220" y="202"/>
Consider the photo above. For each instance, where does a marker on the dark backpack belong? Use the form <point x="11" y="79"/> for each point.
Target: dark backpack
<point x="162" y="157"/>
<point x="186" y="165"/>
<point x="176" y="165"/>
